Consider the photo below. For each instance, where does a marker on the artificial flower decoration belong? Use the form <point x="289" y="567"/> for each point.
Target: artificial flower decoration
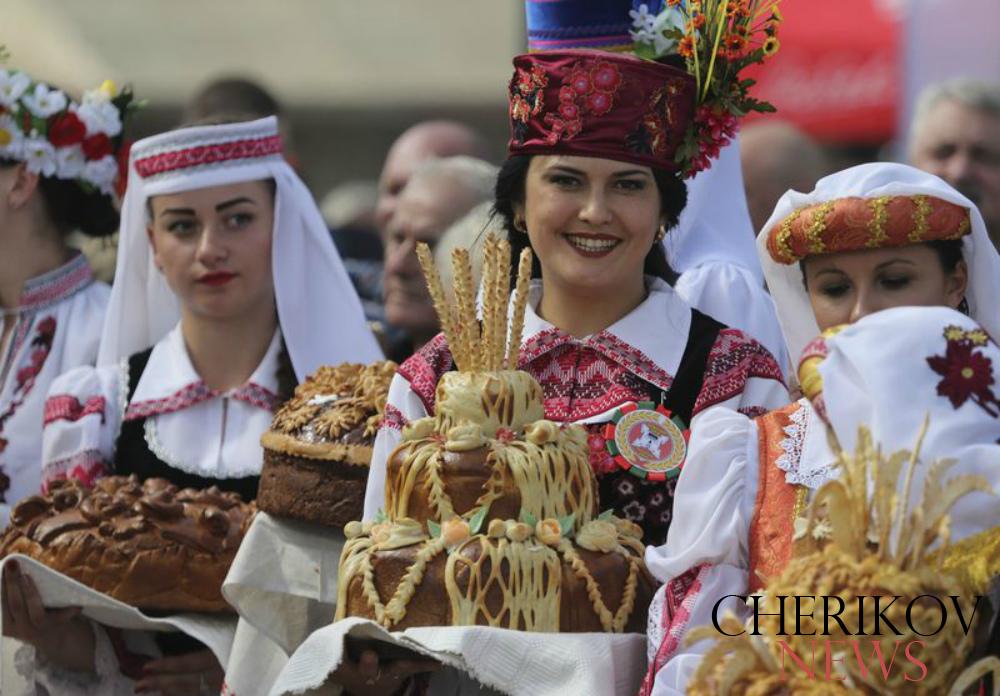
<point x="967" y="374"/>
<point x="717" y="39"/>
<point x="59" y="138"/>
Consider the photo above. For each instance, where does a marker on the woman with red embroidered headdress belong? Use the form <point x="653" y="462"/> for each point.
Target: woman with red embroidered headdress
<point x="58" y="174"/>
<point x="870" y="238"/>
<point x="228" y="290"/>
<point x="600" y="143"/>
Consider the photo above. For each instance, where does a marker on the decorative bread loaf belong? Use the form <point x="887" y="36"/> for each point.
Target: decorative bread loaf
<point x="490" y="510"/>
<point x="317" y="452"/>
<point x="148" y="544"/>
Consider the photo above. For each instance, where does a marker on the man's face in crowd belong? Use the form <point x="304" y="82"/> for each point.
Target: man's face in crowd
<point x="423" y="211"/>
<point x="962" y="146"/>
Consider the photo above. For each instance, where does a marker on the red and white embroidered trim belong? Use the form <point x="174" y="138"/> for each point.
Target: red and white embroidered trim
<point x="86" y="467"/>
<point x="196" y="392"/>
<point x="207" y="154"/>
<point x="733" y="361"/>
<point x="393" y="418"/>
<point x="66" y="407"/>
<point x="58" y="285"/>
<point x="192" y="394"/>
<point x="681" y="593"/>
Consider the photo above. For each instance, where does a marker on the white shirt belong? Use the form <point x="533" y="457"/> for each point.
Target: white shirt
<point x="58" y="328"/>
<point x="188" y="426"/>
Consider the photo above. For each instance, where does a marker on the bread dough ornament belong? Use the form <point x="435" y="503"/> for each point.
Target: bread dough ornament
<point x="490" y="509"/>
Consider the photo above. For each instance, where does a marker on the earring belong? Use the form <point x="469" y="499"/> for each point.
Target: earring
<point x="519" y="226"/>
<point x="660" y="234"/>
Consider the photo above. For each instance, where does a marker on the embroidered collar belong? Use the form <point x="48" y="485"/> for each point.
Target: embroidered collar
<point x="170" y="383"/>
<point x="649" y="341"/>
<point x="55" y="286"/>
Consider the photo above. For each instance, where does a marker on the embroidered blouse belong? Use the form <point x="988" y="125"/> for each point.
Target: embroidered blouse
<point x="57" y="328"/>
<point x="585" y="380"/>
<point x="192" y="429"/>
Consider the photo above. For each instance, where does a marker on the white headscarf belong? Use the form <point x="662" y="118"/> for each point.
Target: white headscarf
<point x="872" y="181"/>
<point x="319" y="312"/>
<point x="713" y="252"/>
<point x="880" y="372"/>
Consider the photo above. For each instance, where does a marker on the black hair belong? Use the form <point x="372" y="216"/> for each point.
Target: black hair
<point x="72" y="207"/>
<point x="509" y="191"/>
<point x="949" y="253"/>
<point x="230" y="97"/>
<point x="285" y="372"/>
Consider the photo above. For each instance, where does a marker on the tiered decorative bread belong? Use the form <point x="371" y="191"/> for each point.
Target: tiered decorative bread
<point x="147" y="544"/>
<point x="491" y="511"/>
<point x="317" y="452"/>
<point x="852" y="546"/>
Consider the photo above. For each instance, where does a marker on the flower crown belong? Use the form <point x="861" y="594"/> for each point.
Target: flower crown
<point x="57" y="137"/>
<point x="717" y="39"/>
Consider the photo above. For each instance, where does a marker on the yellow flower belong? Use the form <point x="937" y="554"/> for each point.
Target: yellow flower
<point x="455" y="531"/>
<point x="776" y="15"/>
<point x="771" y="45"/>
<point x="108" y="88"/>
<point x="548" y="531"/>
<point x="5" y="137"/>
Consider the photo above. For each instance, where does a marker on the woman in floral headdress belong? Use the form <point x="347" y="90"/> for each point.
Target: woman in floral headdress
<point x="870" y="238"/>
<point x="58" y="174"/>
<point x="228" y="291"/>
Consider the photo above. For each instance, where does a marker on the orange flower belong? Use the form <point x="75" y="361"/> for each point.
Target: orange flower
<point x="455" y="531"/>
<point x="686" y="47"/>
<point x="674" y="3"/>
<point x="697" y="22"/>
<point x="735" y="44"/>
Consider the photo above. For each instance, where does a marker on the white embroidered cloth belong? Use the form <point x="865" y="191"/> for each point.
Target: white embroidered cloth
<point x="510" y="662"/>
<point x="58" y="590"/>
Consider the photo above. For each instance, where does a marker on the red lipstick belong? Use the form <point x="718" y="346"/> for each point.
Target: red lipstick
<point x="216" y="279"/>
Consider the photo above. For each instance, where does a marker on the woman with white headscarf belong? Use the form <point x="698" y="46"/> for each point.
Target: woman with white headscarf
<point x="870" y="238"/>
<point x="228" y="291"/>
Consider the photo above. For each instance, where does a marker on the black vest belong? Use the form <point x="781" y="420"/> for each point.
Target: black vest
<point x="133" y="456"/>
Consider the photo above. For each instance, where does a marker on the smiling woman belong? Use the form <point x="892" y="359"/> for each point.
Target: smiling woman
<point x="228" y="291"/>
<point x="592" y="185"/>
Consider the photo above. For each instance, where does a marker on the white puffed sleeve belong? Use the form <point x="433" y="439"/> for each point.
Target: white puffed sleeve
<point x="706" y="556"/>
<point x="83" y="416"/>
<point x="711" y="288"/>
<point x="402" y="406"/>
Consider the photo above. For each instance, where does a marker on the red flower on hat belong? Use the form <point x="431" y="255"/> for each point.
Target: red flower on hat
<point x="66" y="129"/>
<point x="605" y="77"/>
<point x="579" y="80"/>
<point x="967" y="374"/>
<point x="599" y="103"/>
<point x="97" y="146"/>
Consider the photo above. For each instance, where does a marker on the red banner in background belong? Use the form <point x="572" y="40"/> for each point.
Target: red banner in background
<point x="838" y="75"/>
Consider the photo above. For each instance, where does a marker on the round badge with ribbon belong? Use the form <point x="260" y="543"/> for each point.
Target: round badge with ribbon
<point x="647" y="440"/>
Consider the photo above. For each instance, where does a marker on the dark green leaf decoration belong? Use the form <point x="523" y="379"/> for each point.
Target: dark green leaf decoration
<point x="528" y="518"/>
<point x="476" y="521"/>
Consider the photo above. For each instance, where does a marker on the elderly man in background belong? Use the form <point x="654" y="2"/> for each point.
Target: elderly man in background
<point x="955" y="134"/>
<point x="417" y="144"/>
<point x="439" y="193"/>
<point x="775" y="157"/>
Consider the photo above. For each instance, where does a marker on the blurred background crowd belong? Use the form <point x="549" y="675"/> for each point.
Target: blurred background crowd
<point x="368" y="92"/>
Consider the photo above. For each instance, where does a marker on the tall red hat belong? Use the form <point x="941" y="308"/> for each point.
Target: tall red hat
<point x="600" y="104"/>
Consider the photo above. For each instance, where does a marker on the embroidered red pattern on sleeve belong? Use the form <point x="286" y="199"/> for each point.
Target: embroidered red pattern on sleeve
<point x="68" y="408"/>
<point x="393" y="418"/>
<point x="86" y="467"/>
<point x="733" y="361"/>
<point x="681" y="593"/>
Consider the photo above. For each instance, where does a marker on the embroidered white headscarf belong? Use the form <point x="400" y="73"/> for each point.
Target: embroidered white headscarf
<point x="872" y="181"/>
<point x="892" y="369"/>
<point x="319" y="312"/>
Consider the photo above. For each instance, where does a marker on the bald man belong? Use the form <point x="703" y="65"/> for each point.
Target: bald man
<point x="775" y="157"/>
<point x="419" y="143"/>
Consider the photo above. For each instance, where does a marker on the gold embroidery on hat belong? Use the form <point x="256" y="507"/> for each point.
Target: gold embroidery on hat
<point x="963" y="228"/>
<point x="877" y="225"/>
<point x="785" y="253"/>
<point x="816" y="228"/>
<point x="920" y="215"/>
